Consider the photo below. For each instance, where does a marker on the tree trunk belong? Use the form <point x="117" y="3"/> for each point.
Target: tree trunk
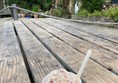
<point x="65" y="3"/>
<point x="70" y="6"/>
<point x="56" y="4"/>
<point x="52" y="7"/>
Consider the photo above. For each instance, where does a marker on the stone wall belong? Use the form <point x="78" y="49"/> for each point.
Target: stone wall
<point x="93" y="19"/>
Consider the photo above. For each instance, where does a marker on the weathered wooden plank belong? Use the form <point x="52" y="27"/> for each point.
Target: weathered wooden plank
<point x="94" y="73"/>
<point x="105" y="58"/>
<point x="2" y="21"/>
<point x="40" y="60"/>
<point x="12" y="66"/>
<point x="104" y="32"/>
<point x="94" y="39"/>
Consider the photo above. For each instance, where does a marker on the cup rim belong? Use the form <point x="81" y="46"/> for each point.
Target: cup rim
<point x="48" y="74"/>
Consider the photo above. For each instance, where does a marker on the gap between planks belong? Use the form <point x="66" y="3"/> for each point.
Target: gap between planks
<point x="33" y="28"/>
<point x="40" y="60"/>
<point x="86" y="36"/>
<point x="67" y="40"/>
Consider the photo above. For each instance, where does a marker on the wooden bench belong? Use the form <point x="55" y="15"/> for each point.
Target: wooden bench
<point x="2" y="21"/>
<point x="89" y="36"/>
<point x="102" y="32"/>
<point x="102" y="56"/>
<point x="12" y="66"/>
<point x="94" y="73"/>
<point x="40" y="60"/>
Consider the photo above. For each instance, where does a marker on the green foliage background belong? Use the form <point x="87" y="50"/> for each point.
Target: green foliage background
<point x="28" y="4"/>
<point x="92" y="5"/>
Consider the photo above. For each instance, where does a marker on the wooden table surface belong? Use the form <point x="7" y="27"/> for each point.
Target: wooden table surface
<point x="32" y="48"/>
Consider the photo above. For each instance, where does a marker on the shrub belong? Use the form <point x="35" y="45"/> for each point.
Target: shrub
<point x="57" y="12"/>
<point x="46" y="6"/>
<point x="66" y="13"/>
<point x="35" y="8"/>
<point x="92" y="5"/>
<point x="115" y="18"/>
<point x="111" y="12"/>
<point x="83" y="13"/>
<point x="97" y="14"/>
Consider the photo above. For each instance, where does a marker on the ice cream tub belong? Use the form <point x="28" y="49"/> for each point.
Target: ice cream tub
<point x="61" y="76"/>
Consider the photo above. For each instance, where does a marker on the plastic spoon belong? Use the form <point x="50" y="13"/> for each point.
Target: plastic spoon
<point x="84" y="63"/>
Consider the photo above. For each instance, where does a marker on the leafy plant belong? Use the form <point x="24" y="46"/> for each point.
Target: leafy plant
<point x="116" y="18"/>
<point x="66" y="13"/>
<point x="83" y="13"/>
<point x="27" y="4"/>
<point x="35" y="8"/>
<point x="111" y="12"/>
<point x="57" y="12"/>
<point x="97" y="14"/>
<point x="60" y="12"/>
<point x="47" y="6"/>
<point x="92" y="5"/>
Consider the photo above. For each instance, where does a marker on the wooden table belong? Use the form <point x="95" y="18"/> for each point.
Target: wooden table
<point x="32" y="48"/>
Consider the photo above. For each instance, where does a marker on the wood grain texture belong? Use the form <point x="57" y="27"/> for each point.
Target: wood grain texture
<point x="96" y="39"/>
<point x="102" y="56"/>
<point x="103" y="32"/>
<point x="12" y="66"/>
<point x="94" y="73"/>
<point x="40" y="60"/>
<point x="2" y="21"/>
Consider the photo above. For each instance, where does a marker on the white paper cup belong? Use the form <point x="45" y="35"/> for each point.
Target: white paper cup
<point x="46" y="77"/>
